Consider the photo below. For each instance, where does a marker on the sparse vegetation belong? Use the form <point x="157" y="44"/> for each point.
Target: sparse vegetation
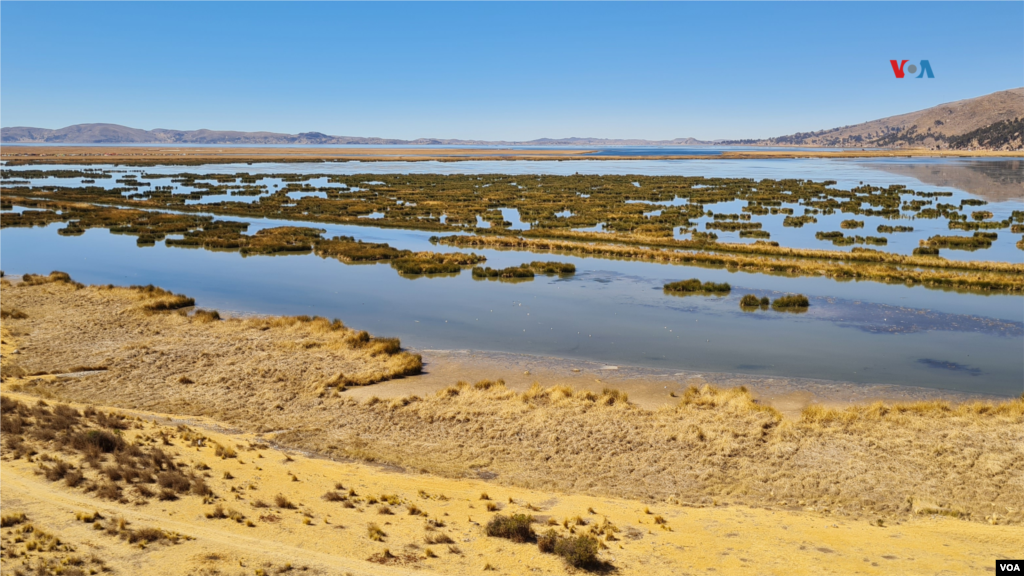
<point x="694" y="285"/>
<point x="516" y="527"/>
<point x="792" y="301"/>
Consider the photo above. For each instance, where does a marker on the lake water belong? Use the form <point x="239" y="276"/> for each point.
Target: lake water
<point x="611" y="311"/>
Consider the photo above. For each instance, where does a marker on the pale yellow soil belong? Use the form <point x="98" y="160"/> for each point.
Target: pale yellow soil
<point x="714" y="539"/>
<point x="742" y="489"/>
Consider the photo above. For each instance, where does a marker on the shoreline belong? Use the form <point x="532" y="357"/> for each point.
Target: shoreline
<point x="16" y="155"/>
<point x="647" y="387"/>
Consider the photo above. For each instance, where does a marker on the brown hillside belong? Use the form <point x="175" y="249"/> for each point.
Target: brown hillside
<point x="928" y="128"/>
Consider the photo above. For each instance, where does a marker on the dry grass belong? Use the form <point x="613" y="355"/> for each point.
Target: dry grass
<point x="713" y="446"/>
<point x="165" y="356"/>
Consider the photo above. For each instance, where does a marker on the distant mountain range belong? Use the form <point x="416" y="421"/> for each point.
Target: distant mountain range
<point x="116" y="134"/>
<point x="992" y="122"/>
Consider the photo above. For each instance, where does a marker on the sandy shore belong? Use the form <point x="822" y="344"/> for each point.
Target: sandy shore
<point x="649" y="388"/>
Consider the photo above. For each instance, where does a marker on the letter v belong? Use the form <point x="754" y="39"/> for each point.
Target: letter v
<point x="897" y="69"/>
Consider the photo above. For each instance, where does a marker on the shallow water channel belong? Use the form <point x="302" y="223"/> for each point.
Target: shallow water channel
<point x="611" y="311"/>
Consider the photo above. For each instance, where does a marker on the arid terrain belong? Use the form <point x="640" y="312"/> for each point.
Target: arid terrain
<point x="936" y="127"/>
<point x="256" y="445"/>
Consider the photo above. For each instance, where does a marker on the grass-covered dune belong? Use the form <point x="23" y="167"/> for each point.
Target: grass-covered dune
<point x="714" y="446"/>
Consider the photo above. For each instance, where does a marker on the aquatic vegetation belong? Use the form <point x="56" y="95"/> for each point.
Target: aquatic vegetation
<point x="798" y="221"/>
<point x="849" y="224"/>
<point x="926" y="251"/>
<point x="553" y="268"/>
<point x="695" y="285"/>
<point x="435" y="263"/>
<point x="755" y="234"/>
<point x="750" y="301"/>
<point x="975" y="242"/>
<point x="526" y="271"/>
<point x="883" y="229"/>
<point x="791" y="301"/>
<point x="547" y="203"/>
<point x="913" y="269"/>
<point x="511" y="272"/>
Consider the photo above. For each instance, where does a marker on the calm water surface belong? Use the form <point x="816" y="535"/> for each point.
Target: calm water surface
<point x="612" y="311"/>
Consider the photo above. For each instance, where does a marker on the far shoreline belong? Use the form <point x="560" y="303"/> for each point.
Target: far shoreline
<point x="20" y="154"/>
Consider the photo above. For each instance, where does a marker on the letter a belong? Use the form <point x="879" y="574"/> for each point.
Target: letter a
<point x="926" y="67"/>
<point x="897" y="69"/>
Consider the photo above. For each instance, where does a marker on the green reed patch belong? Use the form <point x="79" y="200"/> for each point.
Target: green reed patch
<point x="693" y="285"/>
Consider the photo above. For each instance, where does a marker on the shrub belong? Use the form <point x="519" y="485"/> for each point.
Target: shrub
<point x="206" y="316"/>
<point x="546" y="541"/>
<point x="791" y="301"/>
<point x="577" y="551"/>
<point x="282" y="502"/>
<point x="695" y="285"/>
<point x="375" y="533"/>
<point x="332" y="496"/>
<point x="516" y="528"/>
<point x="437" y="538"/>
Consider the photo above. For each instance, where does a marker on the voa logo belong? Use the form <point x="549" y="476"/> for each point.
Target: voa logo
<point x="1006" y="567"/>
<point x="926" y="69"/>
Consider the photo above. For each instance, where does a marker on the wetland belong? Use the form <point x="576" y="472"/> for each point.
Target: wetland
<point x="941" y="291"/>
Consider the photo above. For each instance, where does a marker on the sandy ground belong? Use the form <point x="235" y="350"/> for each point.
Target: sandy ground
<point x="555" y="454"/>
<point x="147" y="155"/>
<point x="648" y="388"/>
<point x="714" y="539"/>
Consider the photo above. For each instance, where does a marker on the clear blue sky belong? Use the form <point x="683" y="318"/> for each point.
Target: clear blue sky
<point x="497" y="70"/>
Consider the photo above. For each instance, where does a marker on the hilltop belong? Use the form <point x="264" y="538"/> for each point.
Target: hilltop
<point x="991" y="122"/>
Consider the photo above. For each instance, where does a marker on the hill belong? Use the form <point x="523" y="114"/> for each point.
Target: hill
<point x="117" y="134"/>
<point x="991" y="122"/>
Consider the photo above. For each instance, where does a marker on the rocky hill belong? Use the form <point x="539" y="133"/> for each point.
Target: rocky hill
<point x="992" y="122"/>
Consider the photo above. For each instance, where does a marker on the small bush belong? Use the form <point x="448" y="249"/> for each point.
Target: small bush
<point x="282" y="502"/>
<point x="791" y="301"/>
<point x="516" y="528"/>
<point x="546" y="542"/>
<point x="12" y="519"/>
<point x="577" y="551"/>
<point x="437" y="538"/>
<point x="694" y="285"/>
<point x="375" y="533"/>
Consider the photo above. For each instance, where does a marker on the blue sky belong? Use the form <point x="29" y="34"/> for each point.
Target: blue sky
<point x="511" y="71"/>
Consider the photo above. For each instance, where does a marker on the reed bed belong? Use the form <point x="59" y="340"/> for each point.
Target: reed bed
<point x="941" y="278"/>
<point x="693" y="285"/>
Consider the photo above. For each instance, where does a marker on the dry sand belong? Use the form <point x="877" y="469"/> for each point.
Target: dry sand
<point x="713" y="539"/>
<point x="740" y="486"/>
